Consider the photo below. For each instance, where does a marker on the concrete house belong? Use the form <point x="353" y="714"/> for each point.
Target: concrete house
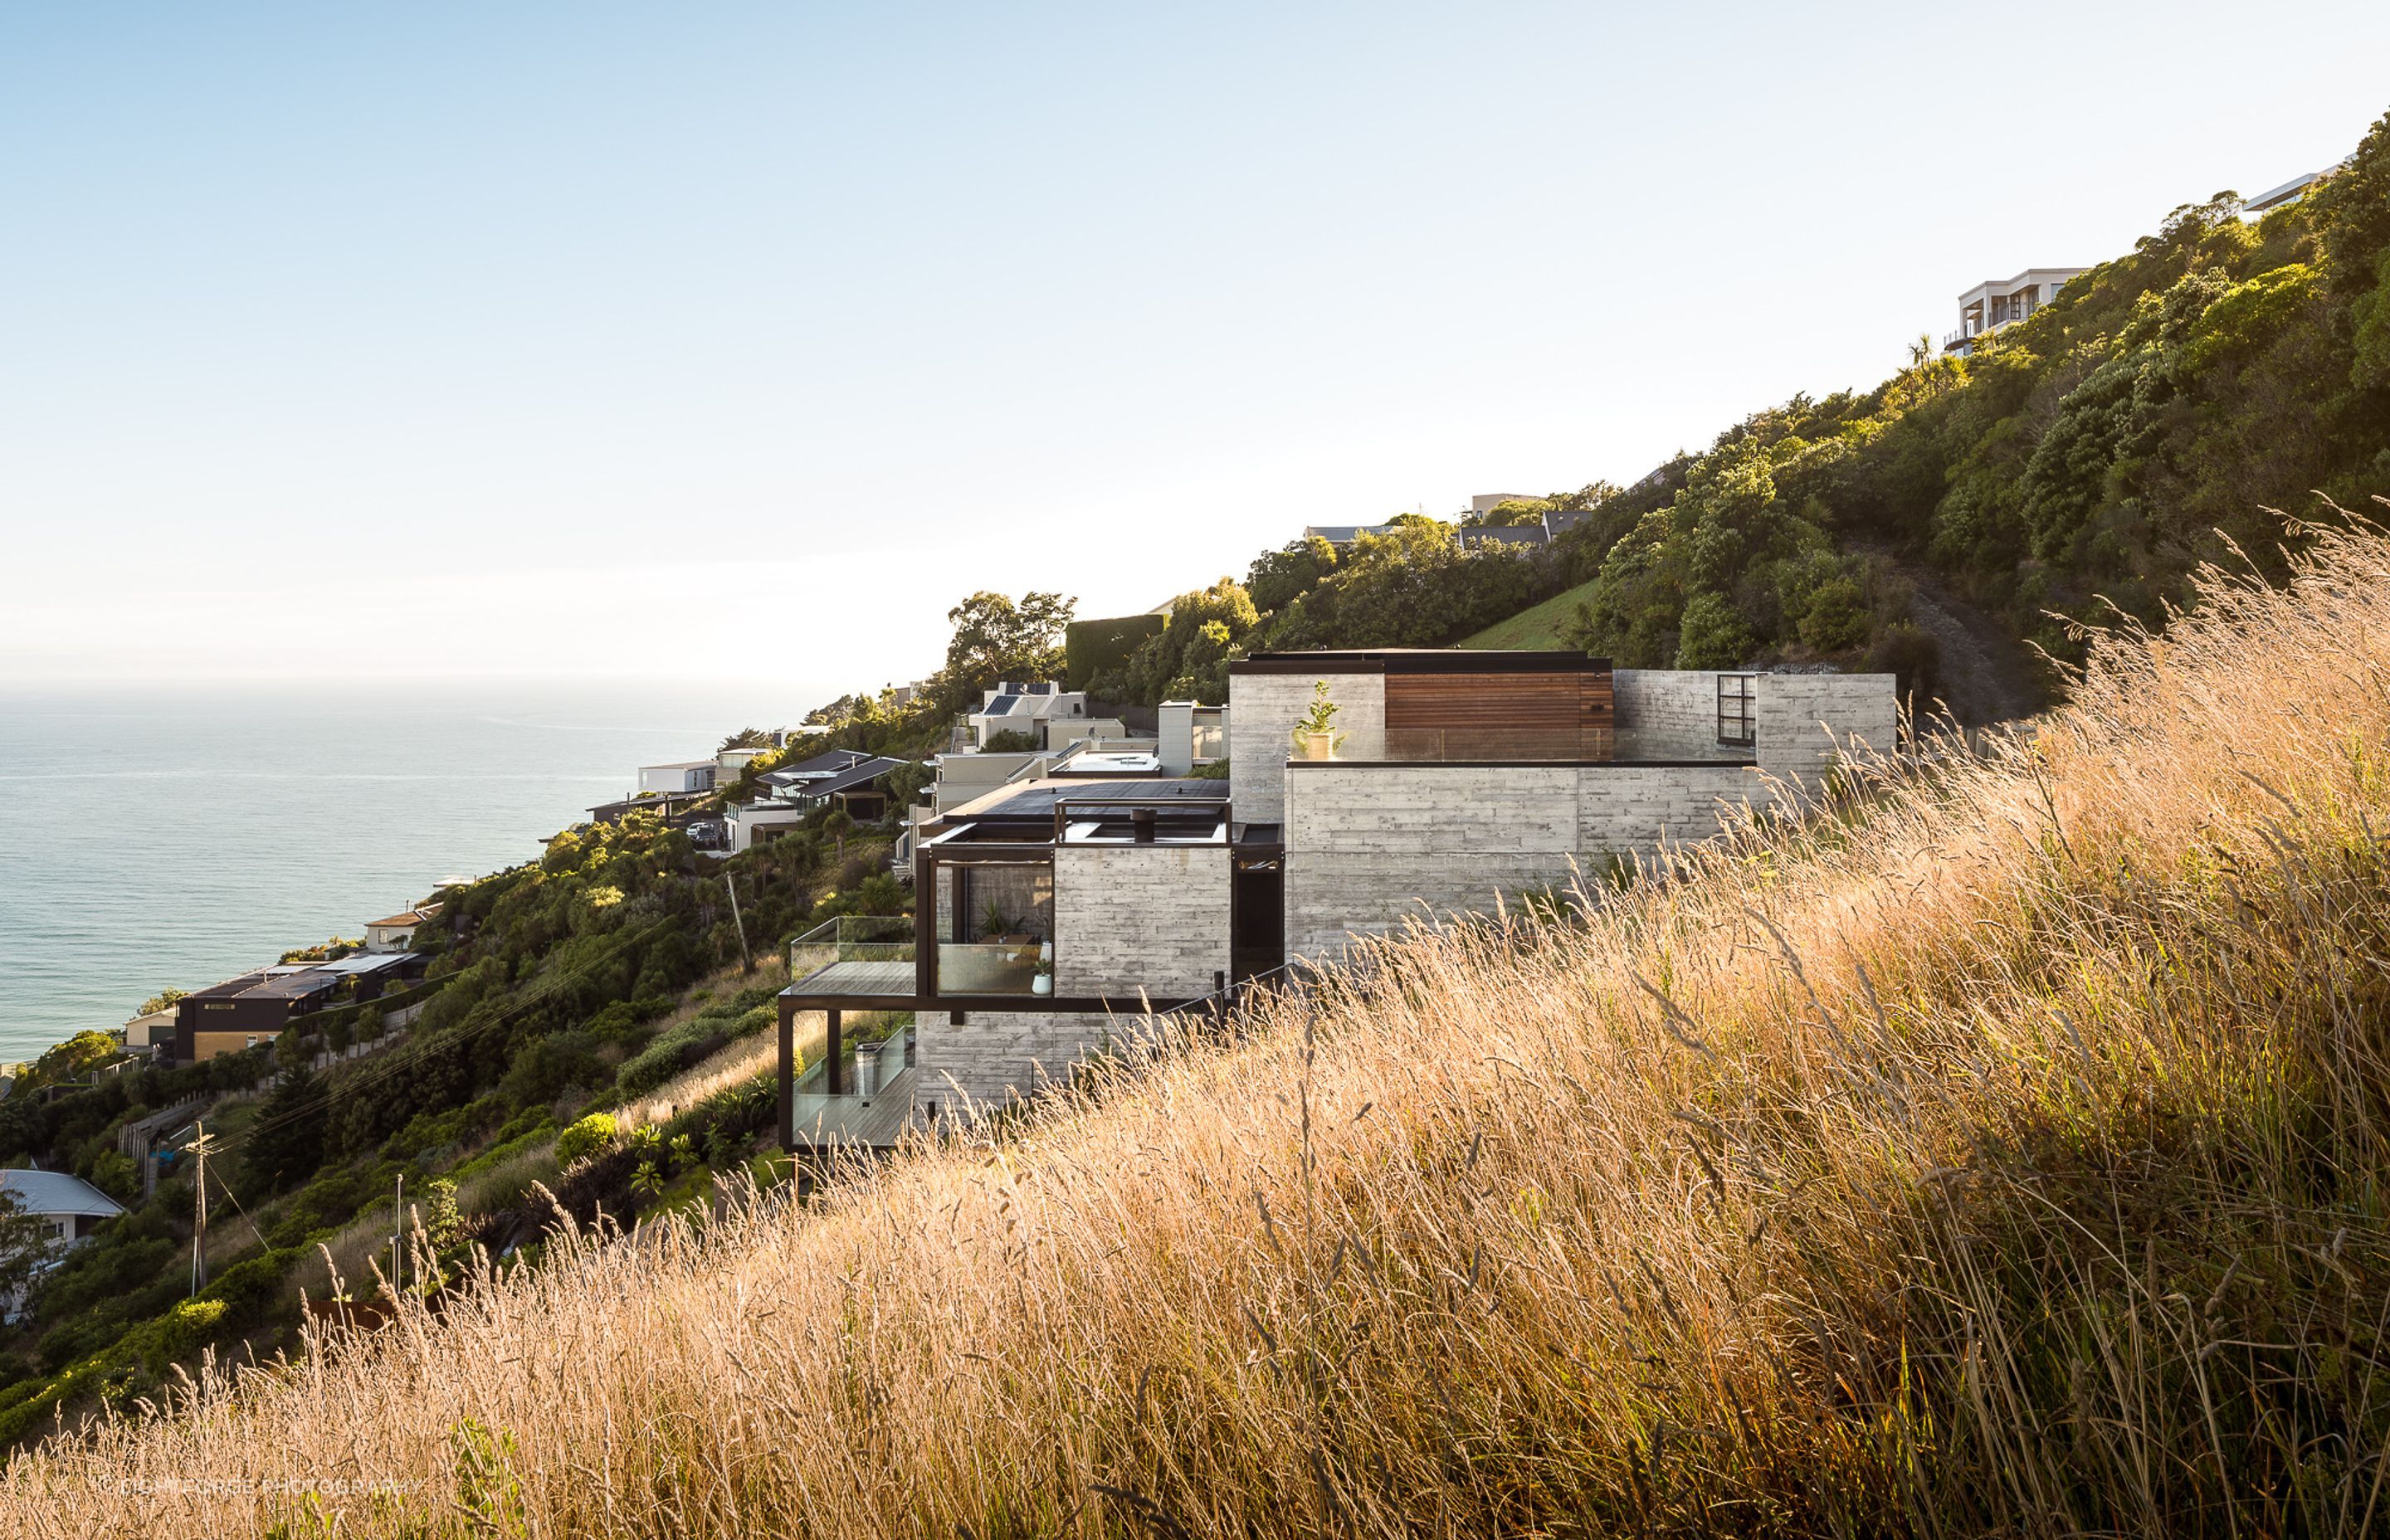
<point x="1052" y="914"/>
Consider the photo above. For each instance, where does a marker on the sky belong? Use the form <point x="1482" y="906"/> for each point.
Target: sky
<point x="741" y="342"/>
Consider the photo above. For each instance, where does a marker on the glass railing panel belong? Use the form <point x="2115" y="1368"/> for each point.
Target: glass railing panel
<point x="987" y="967"/>
<point x="872" y="954"/>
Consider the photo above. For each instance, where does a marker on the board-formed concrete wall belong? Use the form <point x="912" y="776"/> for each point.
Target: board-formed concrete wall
<point x="1405" y="808"/>
<point x="995" y="1056"/>
<point x="1632" y="810"/>
<point x="1265" y="707"/>
<point x="1331" y="899"/>
<point x="1127" y="918"/>
<point x="1808" y="720"/>
<point x="1668" y="714"/>
<point x="1368" y="846"/>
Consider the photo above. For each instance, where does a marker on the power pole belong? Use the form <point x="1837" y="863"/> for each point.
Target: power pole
<point x="746" y="963"/>
<point x="199" y="1148"/>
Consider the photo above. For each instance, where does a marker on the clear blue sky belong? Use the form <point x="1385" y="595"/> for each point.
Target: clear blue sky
<point x="741" y="340"/>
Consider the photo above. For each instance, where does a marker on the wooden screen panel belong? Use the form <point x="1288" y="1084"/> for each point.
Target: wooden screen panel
<point x="1499" y="716"/>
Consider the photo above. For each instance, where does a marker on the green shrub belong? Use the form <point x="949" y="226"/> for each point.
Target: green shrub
<point x="1837" y="616"/>
<point x="593" y="1135"/>
<point x="1710" y="634"/>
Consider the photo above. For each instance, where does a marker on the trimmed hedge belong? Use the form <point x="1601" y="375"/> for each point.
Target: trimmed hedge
<point x="1090" y="648"/>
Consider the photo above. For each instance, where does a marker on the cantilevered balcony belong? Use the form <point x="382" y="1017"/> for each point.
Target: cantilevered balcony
<point x="854" y="955"/>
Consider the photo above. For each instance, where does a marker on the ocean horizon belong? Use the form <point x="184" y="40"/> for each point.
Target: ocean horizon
<point x="157" y="835"/>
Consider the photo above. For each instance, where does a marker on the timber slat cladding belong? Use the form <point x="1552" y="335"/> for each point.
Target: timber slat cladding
<point x="1496" y="716"/>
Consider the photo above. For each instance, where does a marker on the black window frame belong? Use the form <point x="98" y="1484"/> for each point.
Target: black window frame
<point x="1737" y="710"/>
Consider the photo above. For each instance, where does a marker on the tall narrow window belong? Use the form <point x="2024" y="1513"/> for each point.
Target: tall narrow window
<point x="1737" y="695"/>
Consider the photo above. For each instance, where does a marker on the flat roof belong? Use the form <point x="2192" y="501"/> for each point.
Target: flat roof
<point x="365" y="963"/>
<point x="1081" y="766"/>
<point x="1036" y="799"/>
<point x="294" y="986"/>
<point x="1424" y="659"/>
<point x="2267" y="199"/>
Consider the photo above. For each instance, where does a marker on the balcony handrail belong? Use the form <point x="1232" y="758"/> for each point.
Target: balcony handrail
<point x="842" y="928"/>
<point x="852" y="938"/>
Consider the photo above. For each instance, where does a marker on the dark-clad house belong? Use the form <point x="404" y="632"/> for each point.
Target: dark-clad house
<point x="847" y="778"/>
<point x="254" y="1008"/>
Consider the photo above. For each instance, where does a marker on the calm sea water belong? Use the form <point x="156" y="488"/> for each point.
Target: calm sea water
<point x="175" y="835"/>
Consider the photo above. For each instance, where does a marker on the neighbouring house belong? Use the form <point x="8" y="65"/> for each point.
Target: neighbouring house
<point x="150" y="1033"/>
<point x="697" y="776"/>
<point x="2287" y="194"/>
<point x="1474" y="537"/>
<point x="1998" y="302"/>
<point x="1192" y="735"/>
<point x="845" y="779"/>
<point x="1054" y="913"/>
<point x="1341" y="535"/>
<point x="1027" y="708"/>
<point x="254" y="1008"/>
<point x="676" y="807"/>
<point x="69" y="1208"/>
<point x="396" y="933"/>
<point x="689" y="776"/>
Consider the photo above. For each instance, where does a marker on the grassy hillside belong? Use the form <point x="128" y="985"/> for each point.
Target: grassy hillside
<point x="2003" y="1154"/>
<point x="1535" y="628"/>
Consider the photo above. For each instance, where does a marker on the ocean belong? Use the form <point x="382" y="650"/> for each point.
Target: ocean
<point x="174" y="835"/>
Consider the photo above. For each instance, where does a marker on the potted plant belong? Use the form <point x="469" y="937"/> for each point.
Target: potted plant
<point x="1044" y="982"/>
<point x="991" y="922"/>
<point x="1316" y="736"/>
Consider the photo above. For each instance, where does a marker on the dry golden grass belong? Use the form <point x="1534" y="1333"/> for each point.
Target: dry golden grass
<point x="2006" y="1157"/>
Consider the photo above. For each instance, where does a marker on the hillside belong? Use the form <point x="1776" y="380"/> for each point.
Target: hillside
<point x="1950" y="524"/>
<point x="1997" y="1155"/>
<point x="1537" y="627"/>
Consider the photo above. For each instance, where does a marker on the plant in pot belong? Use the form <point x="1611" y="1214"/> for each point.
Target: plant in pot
<point x="1043" y="982"/>
<point x="1315" y="735"/>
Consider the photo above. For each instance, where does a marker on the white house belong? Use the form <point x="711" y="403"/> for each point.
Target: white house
<point x="1027" y="709"/>
<point x="69" y="1209"/>
<point x="1998" y="302"/>
<point x="394" y="933"/>
<point x="678" y="778"/>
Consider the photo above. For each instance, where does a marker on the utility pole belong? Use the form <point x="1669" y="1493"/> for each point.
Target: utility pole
<point x="746" y="963"/>
<point x="398" y="1237"/>
<point x="198" y="1148"/>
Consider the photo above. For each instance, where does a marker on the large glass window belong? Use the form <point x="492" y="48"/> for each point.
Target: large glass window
<point x="996" y="926"/>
